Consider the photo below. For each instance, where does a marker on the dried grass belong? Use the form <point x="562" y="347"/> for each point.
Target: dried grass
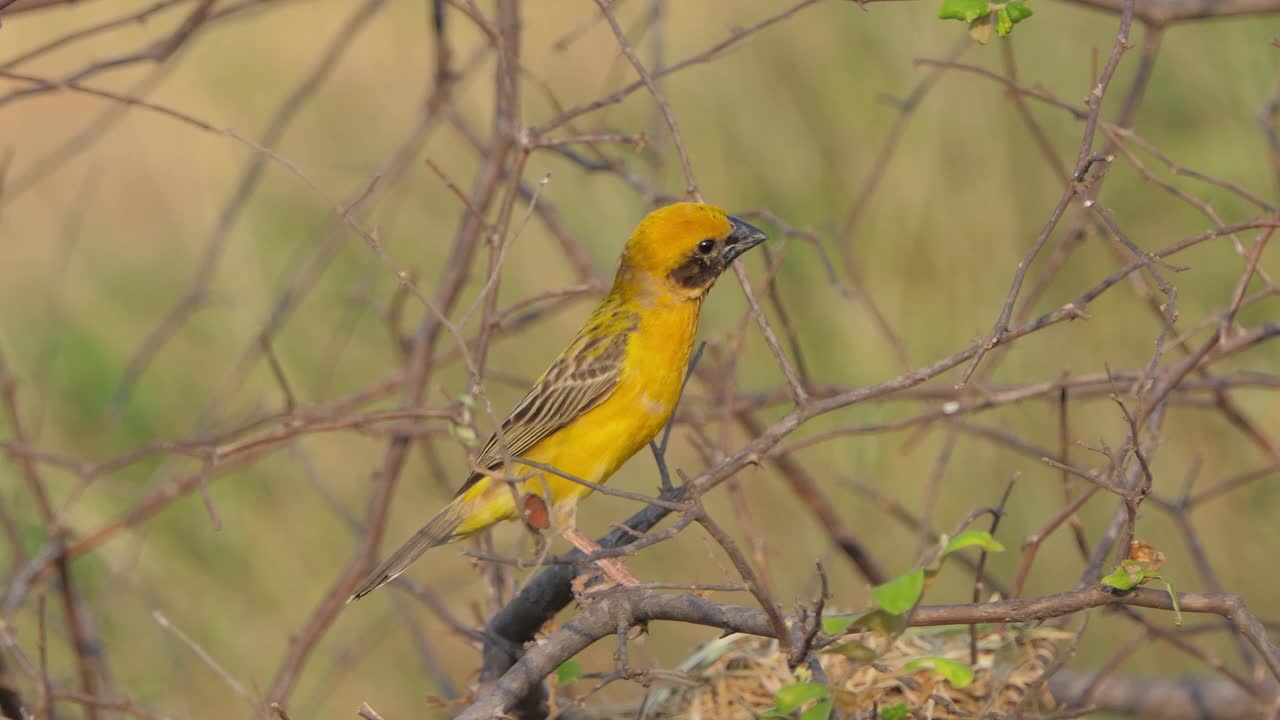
<point x="736" y="677"/>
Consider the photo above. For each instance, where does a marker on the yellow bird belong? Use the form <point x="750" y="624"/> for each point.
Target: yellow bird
<point x="608" y="393"/>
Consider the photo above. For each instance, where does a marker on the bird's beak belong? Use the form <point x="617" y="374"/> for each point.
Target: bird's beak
<point x="742" y="238"/>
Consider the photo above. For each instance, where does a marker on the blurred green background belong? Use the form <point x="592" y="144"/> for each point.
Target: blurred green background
<point x="95" y="254"/>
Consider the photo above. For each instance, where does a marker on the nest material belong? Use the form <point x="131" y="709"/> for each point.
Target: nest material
<point x="736" y="677"/>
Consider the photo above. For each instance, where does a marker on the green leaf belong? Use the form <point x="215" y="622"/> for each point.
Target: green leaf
<point x="966" y="10"/>
<point x="834" y="625"/>
<point x="871" y="619"/>
<point x="895" y="712"/>
<point x="1173" y="596"/>
<point x="883" y="622"/>
<point x="957" y="674"/>
<point x="568" y="672"/>
<point x="901" y="593"/>
<point x="791" y="697"/>
<point x="877" y="620"/>
<point x="1132" y="573"/>
<point x="971" y="538"/>
<point x="853" y="650"/>
<point x="1127" y="576"/>
<point x="820" y="711"/>
<point x="1004" y="25"/>
<point x="1018" y="11"/>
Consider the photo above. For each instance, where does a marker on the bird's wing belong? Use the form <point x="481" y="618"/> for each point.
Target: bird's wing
<point x="578" y="381"/>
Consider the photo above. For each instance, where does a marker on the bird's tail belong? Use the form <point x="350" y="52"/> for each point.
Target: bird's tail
<point x="439" y="530"/>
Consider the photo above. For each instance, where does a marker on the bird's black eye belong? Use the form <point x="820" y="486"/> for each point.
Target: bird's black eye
<point x="706" y="246"/>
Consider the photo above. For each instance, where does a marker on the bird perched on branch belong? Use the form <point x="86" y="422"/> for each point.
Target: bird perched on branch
<point x="607" y="394"/>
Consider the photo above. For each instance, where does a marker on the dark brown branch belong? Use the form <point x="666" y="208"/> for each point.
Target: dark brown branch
<point x="548" y="593"/>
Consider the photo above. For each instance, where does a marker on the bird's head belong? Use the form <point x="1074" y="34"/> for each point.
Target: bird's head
<point x="683" y="248"/>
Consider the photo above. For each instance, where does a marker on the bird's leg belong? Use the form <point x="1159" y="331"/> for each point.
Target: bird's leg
<point x="612" y="568"/>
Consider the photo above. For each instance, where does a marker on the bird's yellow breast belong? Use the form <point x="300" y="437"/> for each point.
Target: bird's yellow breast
<point x="595" y="445"/>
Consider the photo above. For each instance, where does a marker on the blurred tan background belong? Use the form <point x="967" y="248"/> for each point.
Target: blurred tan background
<point x="93" y="255"/>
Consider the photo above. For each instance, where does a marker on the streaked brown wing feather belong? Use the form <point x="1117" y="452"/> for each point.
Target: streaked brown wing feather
<point x="582" y="378"/>
<point x="578" y="381"/>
